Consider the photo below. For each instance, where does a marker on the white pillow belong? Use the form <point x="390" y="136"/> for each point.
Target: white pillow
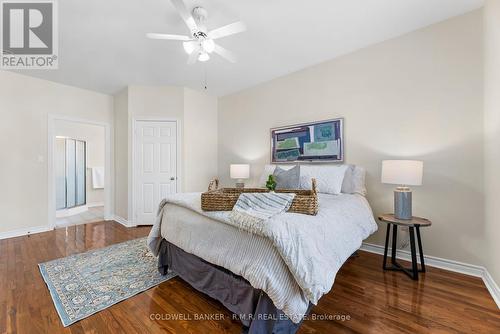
<point x="354" y="180"/>
<point x="268" y="170"/>
<point x="328" y="178"/>
<point x="353" y="183"/>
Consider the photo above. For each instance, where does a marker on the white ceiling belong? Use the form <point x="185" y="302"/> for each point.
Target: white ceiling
<point x="103" y="45"/>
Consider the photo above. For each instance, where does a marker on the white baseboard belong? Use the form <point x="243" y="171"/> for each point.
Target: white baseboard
<point x="123" y="221"/>
<point x="24" y="231"/>
<point x="492" y="287"/>
<point x="455" y="266"/>
<point x="38" y="229"/>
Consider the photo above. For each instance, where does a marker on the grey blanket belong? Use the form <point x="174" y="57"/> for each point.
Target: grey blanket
<point x="253" y="209"/>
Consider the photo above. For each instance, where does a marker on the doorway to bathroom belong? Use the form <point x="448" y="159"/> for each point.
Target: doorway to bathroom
<point x="79" y="159"/>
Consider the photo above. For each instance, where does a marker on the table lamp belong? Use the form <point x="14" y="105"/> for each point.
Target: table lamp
<point x="239" y="172"/>
<point x="404" y="173"/>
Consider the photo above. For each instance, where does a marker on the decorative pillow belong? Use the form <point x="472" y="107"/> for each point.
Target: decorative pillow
<point x="287" y="179"/>
<point x="328" y="178"/>
<point x="268" y="170"/>
<point x="354" y="180"/>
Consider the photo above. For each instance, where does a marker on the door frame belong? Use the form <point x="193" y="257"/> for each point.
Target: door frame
<point x="108" y="165"/>
<point x="132" y="173"/>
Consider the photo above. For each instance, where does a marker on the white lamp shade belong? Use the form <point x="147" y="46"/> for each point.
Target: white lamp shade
<point x="402" y="172"/>
<point x="239" y="171"/>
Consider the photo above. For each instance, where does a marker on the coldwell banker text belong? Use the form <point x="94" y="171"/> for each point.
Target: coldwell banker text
<point x="29" y="34"/>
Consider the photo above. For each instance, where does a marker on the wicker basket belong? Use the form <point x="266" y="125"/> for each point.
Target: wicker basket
<point x="305" y="201"/>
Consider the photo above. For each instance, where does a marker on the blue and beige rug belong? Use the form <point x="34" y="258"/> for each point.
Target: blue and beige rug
<point x="86" y="283"/>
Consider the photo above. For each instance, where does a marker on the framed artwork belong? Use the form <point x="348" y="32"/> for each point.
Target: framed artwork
<point x="316" y="141"/>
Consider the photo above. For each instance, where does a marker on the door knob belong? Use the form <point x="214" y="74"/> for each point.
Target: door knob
<point x="172" y="178"/>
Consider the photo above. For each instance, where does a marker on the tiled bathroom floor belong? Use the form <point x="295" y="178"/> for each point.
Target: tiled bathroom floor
<point x="93" y="214"/>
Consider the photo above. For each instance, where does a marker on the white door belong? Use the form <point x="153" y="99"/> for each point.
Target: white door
<point x="155" y="167"/>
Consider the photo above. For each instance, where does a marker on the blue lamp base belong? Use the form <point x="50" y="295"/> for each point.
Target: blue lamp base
<point x="402" y="203"/>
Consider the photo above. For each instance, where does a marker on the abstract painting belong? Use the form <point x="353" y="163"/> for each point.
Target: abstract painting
<point x="317" y="141"/>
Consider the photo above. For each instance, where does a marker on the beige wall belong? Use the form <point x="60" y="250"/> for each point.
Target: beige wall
<point x="418" y="96"/>
<point x="120" y="112"/>
<point x="492" y="133"/>
<point x="200" y="140"/>
<point x="156" y="101"/>
<point x="94" y="136"/>
<point x="25" y="104"/>
<point x="197" y="116"/>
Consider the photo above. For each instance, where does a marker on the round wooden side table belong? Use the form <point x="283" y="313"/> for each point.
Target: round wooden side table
<point x="413" y="225"/>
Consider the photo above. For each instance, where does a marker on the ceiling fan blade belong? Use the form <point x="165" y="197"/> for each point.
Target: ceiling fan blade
<point x="186" y="16"/>
<point x="168" y="36"/>
<point x="193" y="56"/>
<point x="230" y="29"/>
<point x="224" y="53"/>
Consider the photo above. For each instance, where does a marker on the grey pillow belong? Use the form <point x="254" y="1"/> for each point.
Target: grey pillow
<point x="347" y="184"/>
<point x="354" y="180"/>
<point x="287" y="179"/>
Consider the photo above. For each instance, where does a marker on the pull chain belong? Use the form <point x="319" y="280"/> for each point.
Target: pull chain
<point x="205" y="70"/>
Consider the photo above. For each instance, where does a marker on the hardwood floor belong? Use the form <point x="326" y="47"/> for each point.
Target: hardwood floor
<point x="374" y="301"/>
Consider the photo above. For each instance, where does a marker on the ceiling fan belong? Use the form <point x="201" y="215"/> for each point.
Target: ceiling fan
<point x="200" y="43"/>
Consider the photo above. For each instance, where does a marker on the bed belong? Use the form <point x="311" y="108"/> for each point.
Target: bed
<point x="270" y="278"/>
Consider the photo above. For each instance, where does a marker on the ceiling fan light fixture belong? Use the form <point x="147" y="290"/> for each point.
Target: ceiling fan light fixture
<point x="199" y="44"/>
<point x="189" y="47"/>
<point x="208" y="45"/>
<point x="203" y="56"/>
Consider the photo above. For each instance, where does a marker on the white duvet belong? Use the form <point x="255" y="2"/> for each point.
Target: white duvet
<point x="294" y="258"/>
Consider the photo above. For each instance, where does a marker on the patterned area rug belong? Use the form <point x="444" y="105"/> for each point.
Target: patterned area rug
<point x="86" y="283"/>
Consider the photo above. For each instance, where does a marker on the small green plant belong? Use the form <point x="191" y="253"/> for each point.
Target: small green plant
<point x="271" y="183"/>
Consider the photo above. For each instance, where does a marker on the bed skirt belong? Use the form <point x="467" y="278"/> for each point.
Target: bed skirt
<point x="251" y="306"/>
